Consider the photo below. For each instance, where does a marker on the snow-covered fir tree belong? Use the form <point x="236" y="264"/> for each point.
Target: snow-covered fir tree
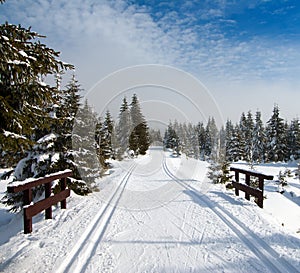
<point x="24" y="98"/>
<point x="259" y="139"/>
<point x="249" y="137"/>
<point x="276" y="137"/>
<point x="201" y="140"/>
<point x="85" y="146"/>
<point x="139" y="136"/>
<point x="293" y="140"/>
<point x="123" y="129"/>
<point x="104" y="139"/>
<point x="171" y="140"/>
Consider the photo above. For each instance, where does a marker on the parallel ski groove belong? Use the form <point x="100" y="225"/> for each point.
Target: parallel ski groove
<point x="87" y="244"/>
<point x="261" y="249"/>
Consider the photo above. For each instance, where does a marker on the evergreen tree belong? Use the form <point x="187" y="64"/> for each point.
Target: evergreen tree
<point x="249" y="137"/>
<point x="24" y="99"/>
<point x="85" y="146"/>
<point x="171" y="140"/>
<point x="259" y="139"/>
<point x="211" y="136"/>
<point x="139" y="137"/>
<point x="233" y="151"/>
<point x="104" y="134"/>
<point x="293" y="140"/>
<point x="242" y="134"/>
<point x="276" y="137"/>
<point x="201" y="140"/>
<point x="123" y="129"/>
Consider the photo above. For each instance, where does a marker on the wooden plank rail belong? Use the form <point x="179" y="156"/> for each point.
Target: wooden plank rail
<point x="256" y="192"/>
<point x="29" y="209"/>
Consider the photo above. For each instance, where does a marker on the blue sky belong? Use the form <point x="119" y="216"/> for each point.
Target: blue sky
<point x="247" y="53"/>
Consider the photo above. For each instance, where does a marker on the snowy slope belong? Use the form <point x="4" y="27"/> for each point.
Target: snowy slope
<point x="153" y="214"/>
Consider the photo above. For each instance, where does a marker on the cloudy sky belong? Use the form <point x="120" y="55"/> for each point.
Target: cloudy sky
<point x="246" y="53"/>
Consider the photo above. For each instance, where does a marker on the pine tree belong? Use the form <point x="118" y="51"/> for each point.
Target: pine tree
<point x="249" y="137"/>
<point x="242" y="134"/>
<point x="123" y="129"/>
<point x="293" y="140"/>
<point x="103" y="138"/>
<point x="259" y="139"/>
<point x="201" y="140"/>
<point x="85" y="146"/>
<point x="233" y="151"/>
<point x="276" y="137"/>
<point x="171" y="140"/>
<point x="139" y="137"/>
<point x="211" y="136"/>
<point x="24" y="99"/>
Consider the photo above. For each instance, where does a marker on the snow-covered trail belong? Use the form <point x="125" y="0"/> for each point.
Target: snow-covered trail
<point x="155" y="214"/>
<point x="271" y="259"/>
<point x="163" y="224"/>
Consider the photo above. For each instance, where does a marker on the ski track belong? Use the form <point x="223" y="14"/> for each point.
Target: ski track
<point x="78" y="259"/>
<point x="261" y="249"/>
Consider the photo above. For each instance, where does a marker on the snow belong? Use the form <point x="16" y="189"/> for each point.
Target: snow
<point x="29" y="180"/>
<point x="13" y="135"/>
<point x="23" y="53"/>
<point x="47" y="138"/>
<point x="158" y="213"/>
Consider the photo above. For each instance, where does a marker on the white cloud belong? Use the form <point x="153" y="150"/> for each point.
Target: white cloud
<point x="100" y="37"/>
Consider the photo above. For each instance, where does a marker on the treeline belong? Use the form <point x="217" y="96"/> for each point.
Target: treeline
<point x="249" y="139"/>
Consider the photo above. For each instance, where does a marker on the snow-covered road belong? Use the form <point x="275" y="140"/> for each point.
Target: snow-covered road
<point x="154" y="214"/>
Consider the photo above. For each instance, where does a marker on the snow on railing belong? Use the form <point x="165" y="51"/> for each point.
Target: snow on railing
<point x="257" y="192"/>
<point x="30" y="209"/>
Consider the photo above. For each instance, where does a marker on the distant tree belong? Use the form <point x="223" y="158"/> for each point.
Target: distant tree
<point x="155" y="136"/>
<point x="259" y="139"/>
<point x="211" y="136"/>
<point x="201" y="140"/>
<point x="171" y="140"/>
<point x="293" y="140"/>
<point x="139" y="138"/>
<point x="123" y="129"/>
<point x="276" y="137"/>
<point x="249" y="137"/>
<point x="242" y="132"/>
<point x="104" y="135"/>
<point x="233" y="150"/>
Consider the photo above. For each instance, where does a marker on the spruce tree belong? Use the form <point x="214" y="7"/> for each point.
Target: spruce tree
<point x="293" y="140"/>
<point x="249" y="137"/>
<point x="139" y="136"/>
<point x="85" y="146"/>
<point x="24" y="99"/>
<point x="103" y="138"/>
<point x="123" y="129"/>
<point x="242" y="134"/>
<point x="259" y="139"/>
<point x="171" y="140"/>
<point x="201" y="140"/>
<point x="276" y="137"/>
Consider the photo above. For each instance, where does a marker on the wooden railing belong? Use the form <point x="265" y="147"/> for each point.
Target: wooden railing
<point x="257" y="192"/>
<point x="30" y="209"/>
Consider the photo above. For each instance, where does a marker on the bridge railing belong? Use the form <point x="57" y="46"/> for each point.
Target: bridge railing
<point x="250" y="191"/>
<point x="30" y="209"/>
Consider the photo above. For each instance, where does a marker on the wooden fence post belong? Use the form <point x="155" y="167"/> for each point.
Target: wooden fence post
<point x="48" y="211"/>
<point x="247" y="181"/>
<point x="236" y="175"/>
<point x="63" y="185"/>
<point x="260" y="199"/>
<point x="27" y="198"/>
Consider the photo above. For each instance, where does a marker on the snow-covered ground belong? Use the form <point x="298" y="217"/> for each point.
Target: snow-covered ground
<point x="159" y="214"/>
